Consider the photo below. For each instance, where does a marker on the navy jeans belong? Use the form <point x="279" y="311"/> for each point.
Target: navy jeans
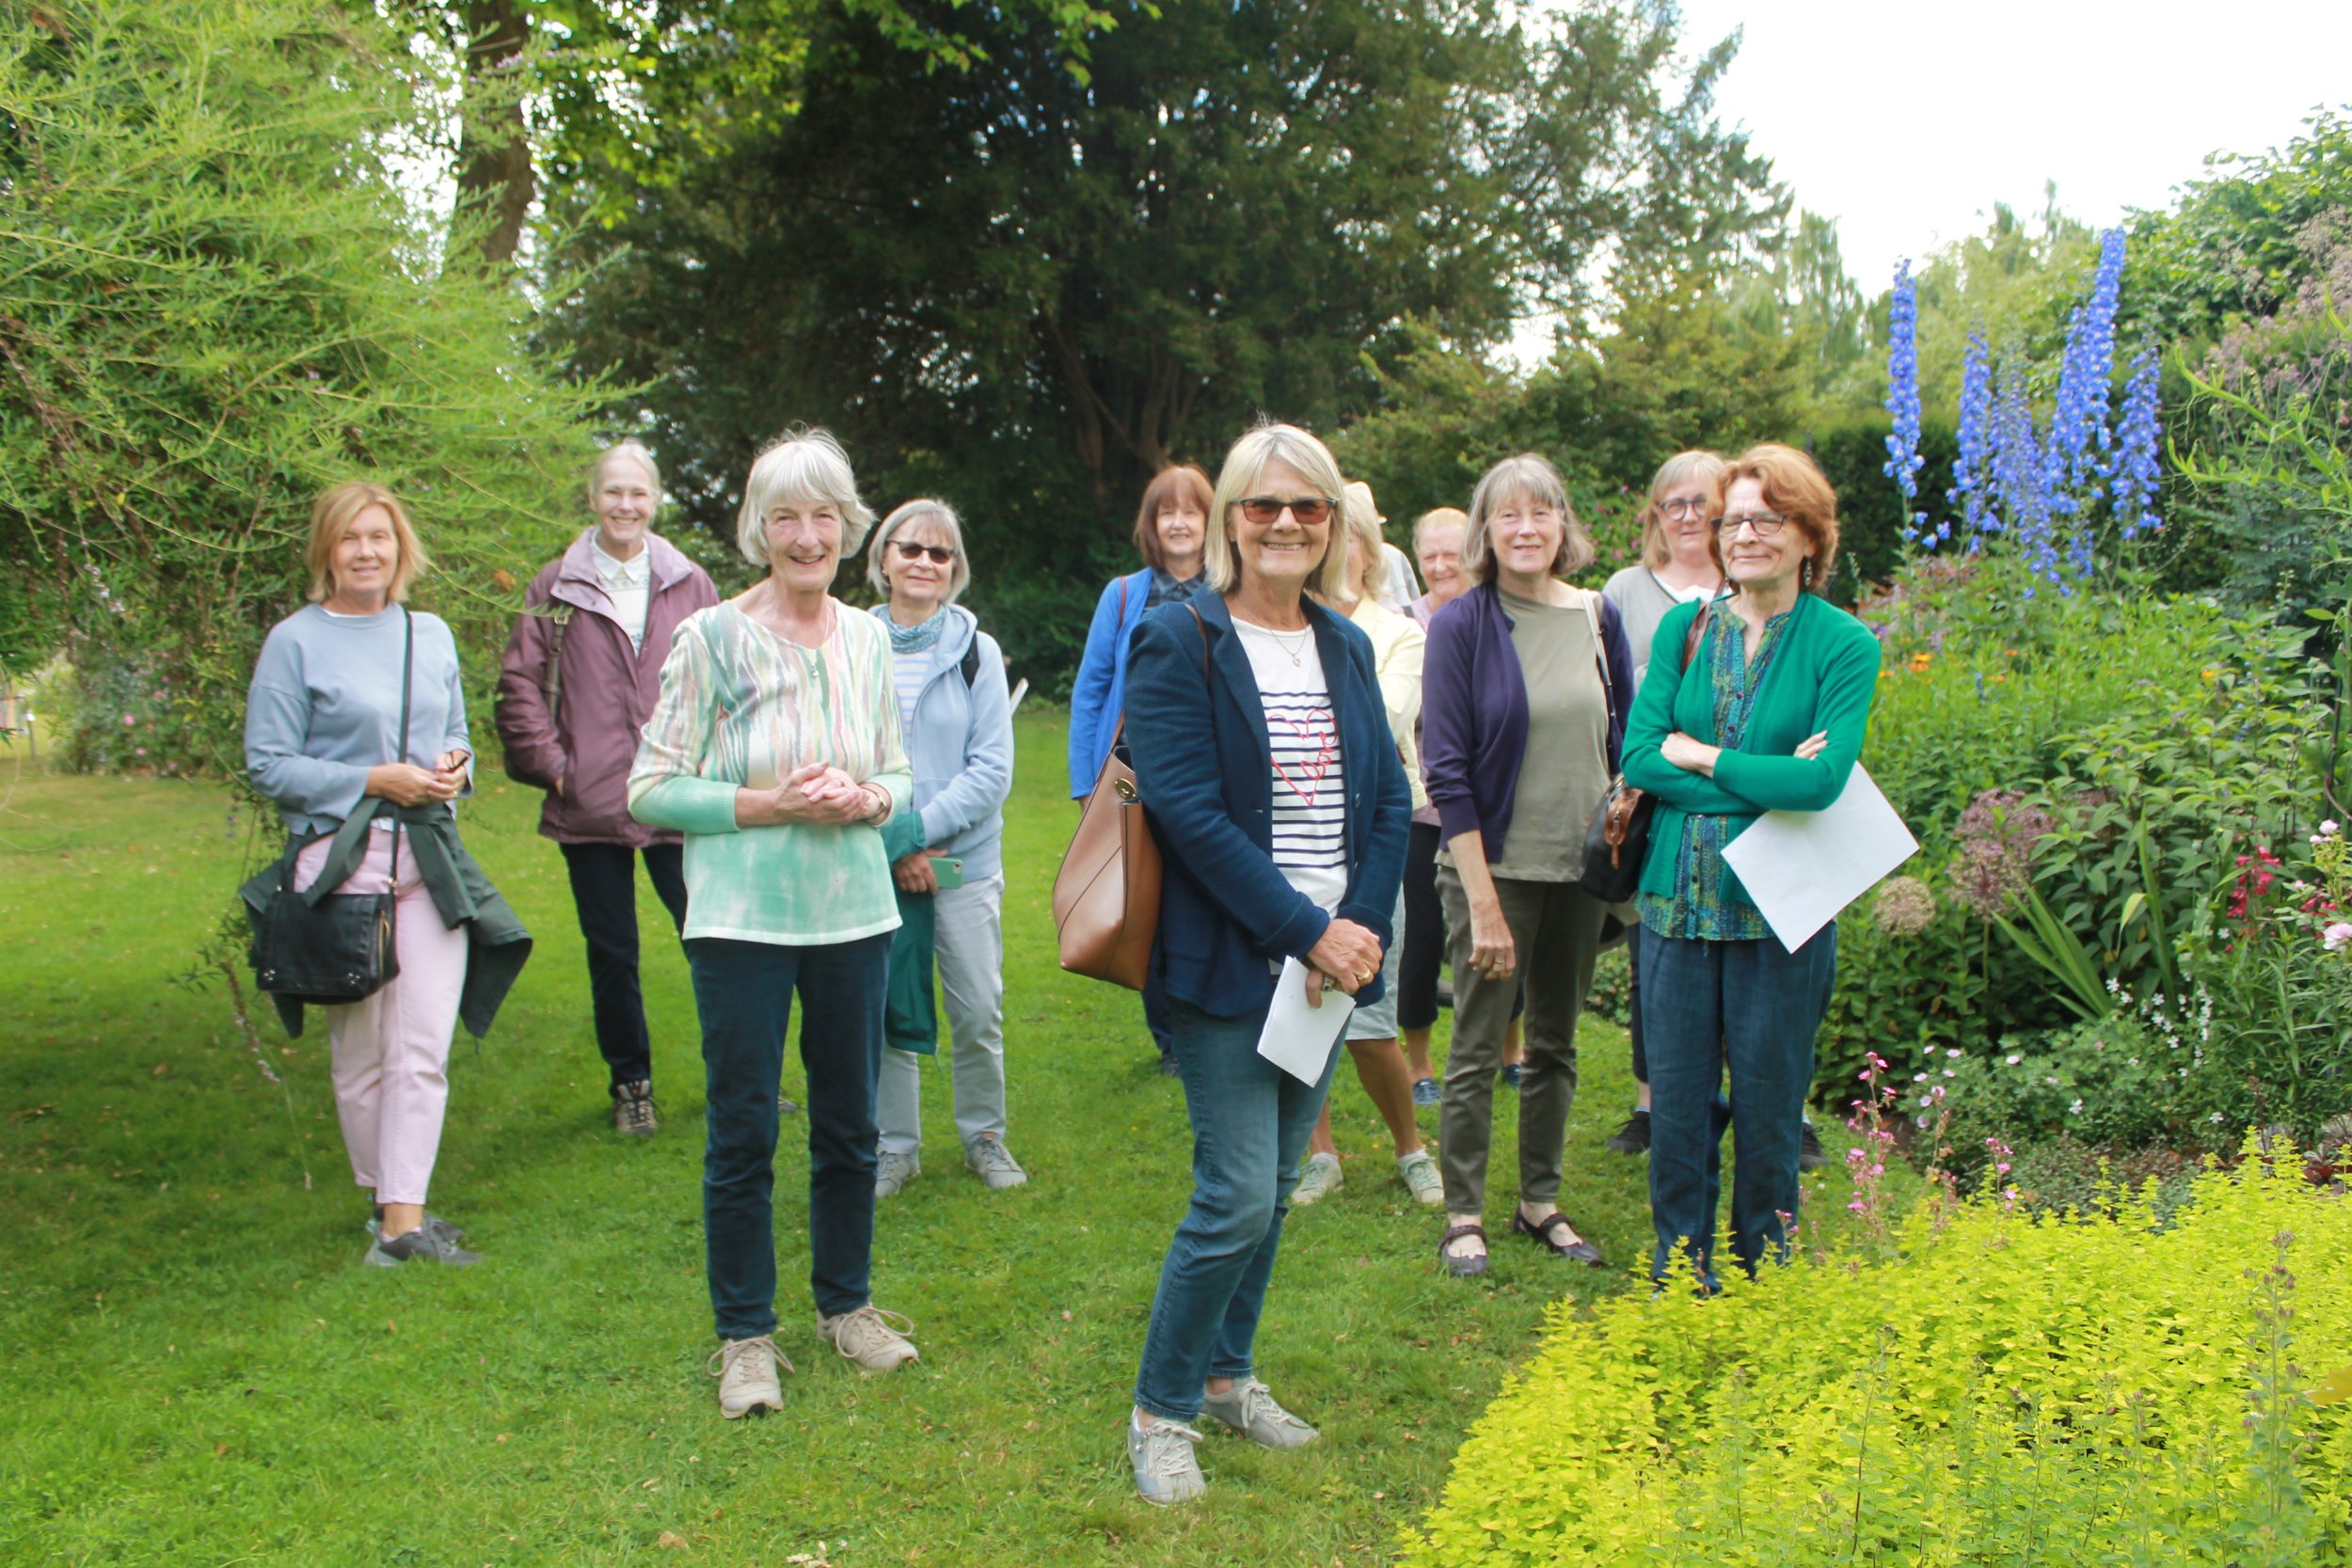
<point x="744" y="992"/>
<point x="1250" y="1122"/>
<point x="604" y="890"/>
<point x="1752" y="1009"/>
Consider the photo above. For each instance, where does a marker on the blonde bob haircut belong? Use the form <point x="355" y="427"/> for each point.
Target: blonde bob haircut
<point x="331" y="517"/>
<point x="1243" y="464"/>
<point x="634" y="450"/>
<point x="806" y="466"/>
<point x="1795" y="487"/>
<point x="941" y="517"/>
<point x="1705" y="466"/>
<point x="1531" y="480"/>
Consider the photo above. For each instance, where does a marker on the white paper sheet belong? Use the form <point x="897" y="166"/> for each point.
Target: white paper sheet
<point x="1299" y="1038"/>
<point x="1804" y="866"/>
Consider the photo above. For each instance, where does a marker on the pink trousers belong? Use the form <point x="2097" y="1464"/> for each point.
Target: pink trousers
<point x="391" y="1052"/>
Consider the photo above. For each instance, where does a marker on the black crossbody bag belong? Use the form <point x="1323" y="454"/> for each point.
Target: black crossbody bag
<point x="326" y="948"/>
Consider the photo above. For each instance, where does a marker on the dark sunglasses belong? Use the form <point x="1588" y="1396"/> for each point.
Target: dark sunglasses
<point x="909" y="551"/>
<point x="1308" y="510"/>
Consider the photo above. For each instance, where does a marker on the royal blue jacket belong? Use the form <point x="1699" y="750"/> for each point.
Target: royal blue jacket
<point x="1096" y="695"/>
<point x="1205" y="772"/>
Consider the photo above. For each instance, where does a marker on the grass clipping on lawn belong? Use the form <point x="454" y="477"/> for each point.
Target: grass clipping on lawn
<point x="2089" y="1389"/>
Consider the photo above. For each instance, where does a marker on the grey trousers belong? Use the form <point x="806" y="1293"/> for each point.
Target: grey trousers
<point x="970" y="943"/>
<point x="1556" y="928"/>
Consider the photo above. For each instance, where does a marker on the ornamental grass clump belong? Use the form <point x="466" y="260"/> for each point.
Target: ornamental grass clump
<point x="2093" y="1390"/>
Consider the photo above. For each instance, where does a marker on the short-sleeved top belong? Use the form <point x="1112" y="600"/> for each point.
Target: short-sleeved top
<point x="1309" y="823"/>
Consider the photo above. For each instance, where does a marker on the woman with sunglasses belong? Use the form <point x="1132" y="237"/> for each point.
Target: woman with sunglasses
<point x="945" y="855"/>
<point x="1768" y="715"/>
<point x="1524" y="689"/>
<point x="1263" y="754"/>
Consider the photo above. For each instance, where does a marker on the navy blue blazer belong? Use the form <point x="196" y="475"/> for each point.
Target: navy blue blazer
<point x="1205" y="772"/>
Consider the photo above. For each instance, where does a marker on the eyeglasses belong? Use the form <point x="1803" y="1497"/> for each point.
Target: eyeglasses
<point x="1766" y="524"/>
<point x="1308" y="510"/>
<point x="909" y="551"/>
<point x="1682" y="506"/>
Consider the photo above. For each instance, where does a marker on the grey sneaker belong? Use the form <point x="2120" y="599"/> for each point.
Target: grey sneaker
<point x="1166" y="1470"/>
<point x="993" y="1162"/>
<point x="632" y="1109"/>
<point x="892" y="1172"/>
<point x="746" y="1371"/>
<point x="1251" y="1410"/>
<point x="1425" y="1092"/>
<point x="1419" y="1172"/>
<point x="1317" y="1179"/>
<point x="1809" y="1153"/>
<point x="423" y="1246"/>
<point x="433" y="1222"/>
<point x="867" y="1336"/>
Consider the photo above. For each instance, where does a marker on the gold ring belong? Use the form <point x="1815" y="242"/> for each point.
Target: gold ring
<point x="1362" y="976"/>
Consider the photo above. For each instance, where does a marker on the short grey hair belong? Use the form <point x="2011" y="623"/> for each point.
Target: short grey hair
<point x="634" y="450"/>
<point x="1265" y="444"/>
<point x="1534" y="479"/>
<point x="806" y="466"/>
<point x="941" y="516"/>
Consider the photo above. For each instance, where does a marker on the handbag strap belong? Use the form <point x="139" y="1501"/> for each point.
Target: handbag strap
<point x="1691" y="637"/>
<point x="345" y="854"/>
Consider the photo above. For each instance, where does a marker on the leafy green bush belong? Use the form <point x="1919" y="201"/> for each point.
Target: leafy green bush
<point x="2106" y="1389"/>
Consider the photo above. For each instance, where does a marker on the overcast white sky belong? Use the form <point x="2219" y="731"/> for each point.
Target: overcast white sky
<point x="1906" y="122"/>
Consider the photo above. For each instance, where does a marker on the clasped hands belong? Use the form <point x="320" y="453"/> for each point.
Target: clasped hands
<point x="1346" y="955"/>
<point x="816" y="794"/>
<point x="404" y="784"/>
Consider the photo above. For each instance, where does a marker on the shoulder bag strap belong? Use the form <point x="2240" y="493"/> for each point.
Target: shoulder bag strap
<point x="1698" y="629"/>
<point x="559" y="616"/>
<point x="400" y="747"/>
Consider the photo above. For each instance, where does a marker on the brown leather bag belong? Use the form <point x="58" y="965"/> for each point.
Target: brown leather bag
<point x="1107" y="896"/>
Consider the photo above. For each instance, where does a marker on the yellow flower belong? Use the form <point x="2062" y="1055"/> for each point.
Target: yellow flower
<point x="1919" y="664"/>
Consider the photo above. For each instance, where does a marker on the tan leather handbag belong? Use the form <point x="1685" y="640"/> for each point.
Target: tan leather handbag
<point x="1106" y="896"/>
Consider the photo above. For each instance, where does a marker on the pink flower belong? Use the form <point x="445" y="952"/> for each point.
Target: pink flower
<point x="128" y="720"/>
<point x="2337" y="937"/>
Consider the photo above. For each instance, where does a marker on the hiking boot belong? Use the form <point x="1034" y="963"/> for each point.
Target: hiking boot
<point x="421" y="1246"/>
<point x="892" y="1172"/>
<point x="1166" y="1470"/>
<point x="867" y="1336"/>
<point x="1251" y="1410"/>
<point x="433" y="1222"/>
<point x="1633" y="1138"/>
<point x="1419" y="1172"/>
<point x="632" y="1109"/>
<point x="1425" y="1092"/>
<point x="1809" y="1154"/>
<point x="993" y="1162"/>
<point x="746" y="1371"/>
<point x="1318" y="1179"/>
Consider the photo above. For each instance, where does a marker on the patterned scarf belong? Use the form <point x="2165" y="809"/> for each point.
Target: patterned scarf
<point x="914" y="639"/>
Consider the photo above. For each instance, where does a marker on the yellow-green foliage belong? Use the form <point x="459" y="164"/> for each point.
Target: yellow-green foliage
<point x="2004" y="1391"/>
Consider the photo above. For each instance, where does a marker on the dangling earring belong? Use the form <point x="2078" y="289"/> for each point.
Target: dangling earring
<point x="1804" y="574"/>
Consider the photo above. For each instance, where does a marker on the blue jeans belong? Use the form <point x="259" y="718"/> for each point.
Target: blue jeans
<point x="1752" y="1009"/>
<point x="744" y="993"/>
<point x="1250" y="1122"/>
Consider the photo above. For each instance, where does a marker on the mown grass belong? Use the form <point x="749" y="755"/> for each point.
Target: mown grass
<point x="199" y="1371"/>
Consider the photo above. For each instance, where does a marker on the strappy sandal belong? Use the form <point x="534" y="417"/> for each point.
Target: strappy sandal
<point x="1577" y="1251"/>
<point x="1462" y="1268"/>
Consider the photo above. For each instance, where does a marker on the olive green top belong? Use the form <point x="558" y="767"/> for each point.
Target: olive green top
<point x="1564" y="770"/>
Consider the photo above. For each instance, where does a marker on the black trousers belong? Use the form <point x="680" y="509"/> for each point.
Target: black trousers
<point x="604" y="890"/>
<point x="1425" y="932"/>
<point x="1633" y="1004"/>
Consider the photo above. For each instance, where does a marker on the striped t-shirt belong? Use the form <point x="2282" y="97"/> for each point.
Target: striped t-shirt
<point x="1309" y="783"/>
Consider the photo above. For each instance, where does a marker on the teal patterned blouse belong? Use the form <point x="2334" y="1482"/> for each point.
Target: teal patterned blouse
<point x="1698" y="908"/>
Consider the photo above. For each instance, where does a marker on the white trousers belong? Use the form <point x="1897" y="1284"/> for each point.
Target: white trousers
<point x="970" y="943"/>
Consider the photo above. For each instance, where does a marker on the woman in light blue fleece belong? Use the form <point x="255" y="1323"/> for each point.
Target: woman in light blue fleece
<point x="957" y="722"/>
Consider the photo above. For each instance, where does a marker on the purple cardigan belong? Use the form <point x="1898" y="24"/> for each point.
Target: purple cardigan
<point x="1473" y="712"/>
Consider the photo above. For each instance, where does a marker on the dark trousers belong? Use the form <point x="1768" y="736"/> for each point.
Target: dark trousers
<point x="1750" y="1008"/>
<point x="1425" y="932"/>
<point x="744" y="990"/>
<point x="1633" y="1004"/>
<point x="604" y="890"/>
<point x="1157" y="1016"/>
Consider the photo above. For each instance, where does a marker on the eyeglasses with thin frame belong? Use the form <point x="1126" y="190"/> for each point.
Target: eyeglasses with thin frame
<point x="1766" y="524"/>
<point x="1306" y="510"/>
<point x="1683" y="506"/>
<point x="909" y="551"/>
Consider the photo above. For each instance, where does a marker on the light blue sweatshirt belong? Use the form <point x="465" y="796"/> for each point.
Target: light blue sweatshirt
<point x="960" y="742"/>
<point x="325" y="703"/>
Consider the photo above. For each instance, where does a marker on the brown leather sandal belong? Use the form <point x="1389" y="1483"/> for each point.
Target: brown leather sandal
<point x="1577" y="1251"/>
<point x="1462" y="1268"/>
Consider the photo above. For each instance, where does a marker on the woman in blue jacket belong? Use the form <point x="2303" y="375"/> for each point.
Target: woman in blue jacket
<point x="1263" y="754"/>
<point x="1171" y="528"/>
<point x="946" y="852"/>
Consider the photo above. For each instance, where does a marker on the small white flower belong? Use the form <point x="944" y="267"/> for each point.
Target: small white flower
<point x="1918" y="1077"/>
<point x="2013" y="1060"/>
<point x="1953" y="1053"/>
<point x="1949" y="1074"/>
<point x="2075" y="1109"/>
<point x="2328" y="826"/>
<point x="2214" y="1118"/>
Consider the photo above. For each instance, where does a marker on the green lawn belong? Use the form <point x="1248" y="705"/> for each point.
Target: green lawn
<point x="200" y="1372"/>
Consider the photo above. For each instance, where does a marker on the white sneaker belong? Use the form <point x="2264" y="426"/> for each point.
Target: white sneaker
<point x="1419" y="1172"/>
<point x="1250" y="1409"/>
<point x="867" y="1336"/>
<point x="892" y="1172"/>
<point x="993" y="1162"/>
<point x="1166" y="1470"/>
<point x="746" y="1371"/>
<point x="1318" y="1179"/>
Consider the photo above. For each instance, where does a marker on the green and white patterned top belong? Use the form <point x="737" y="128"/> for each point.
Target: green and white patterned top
<point x="741" y="707"/>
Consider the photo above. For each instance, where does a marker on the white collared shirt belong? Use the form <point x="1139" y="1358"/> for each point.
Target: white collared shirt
<point x="629" y="585"/>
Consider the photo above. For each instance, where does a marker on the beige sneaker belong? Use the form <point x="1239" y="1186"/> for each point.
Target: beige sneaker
<point x="869" y="1337"/>
<point x="1419" y="1172"/>
<point x="1317" y="1179"/>
<point x="746" y="1371"/>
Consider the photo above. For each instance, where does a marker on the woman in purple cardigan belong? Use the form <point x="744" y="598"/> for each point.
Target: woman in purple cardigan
<point x="1524" y="692"/>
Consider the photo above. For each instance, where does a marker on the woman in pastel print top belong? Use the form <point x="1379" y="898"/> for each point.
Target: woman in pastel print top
<point x="775" y="748"/>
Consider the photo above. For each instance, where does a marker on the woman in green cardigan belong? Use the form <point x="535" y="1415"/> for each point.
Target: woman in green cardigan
<point x="1768" y="715"/>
